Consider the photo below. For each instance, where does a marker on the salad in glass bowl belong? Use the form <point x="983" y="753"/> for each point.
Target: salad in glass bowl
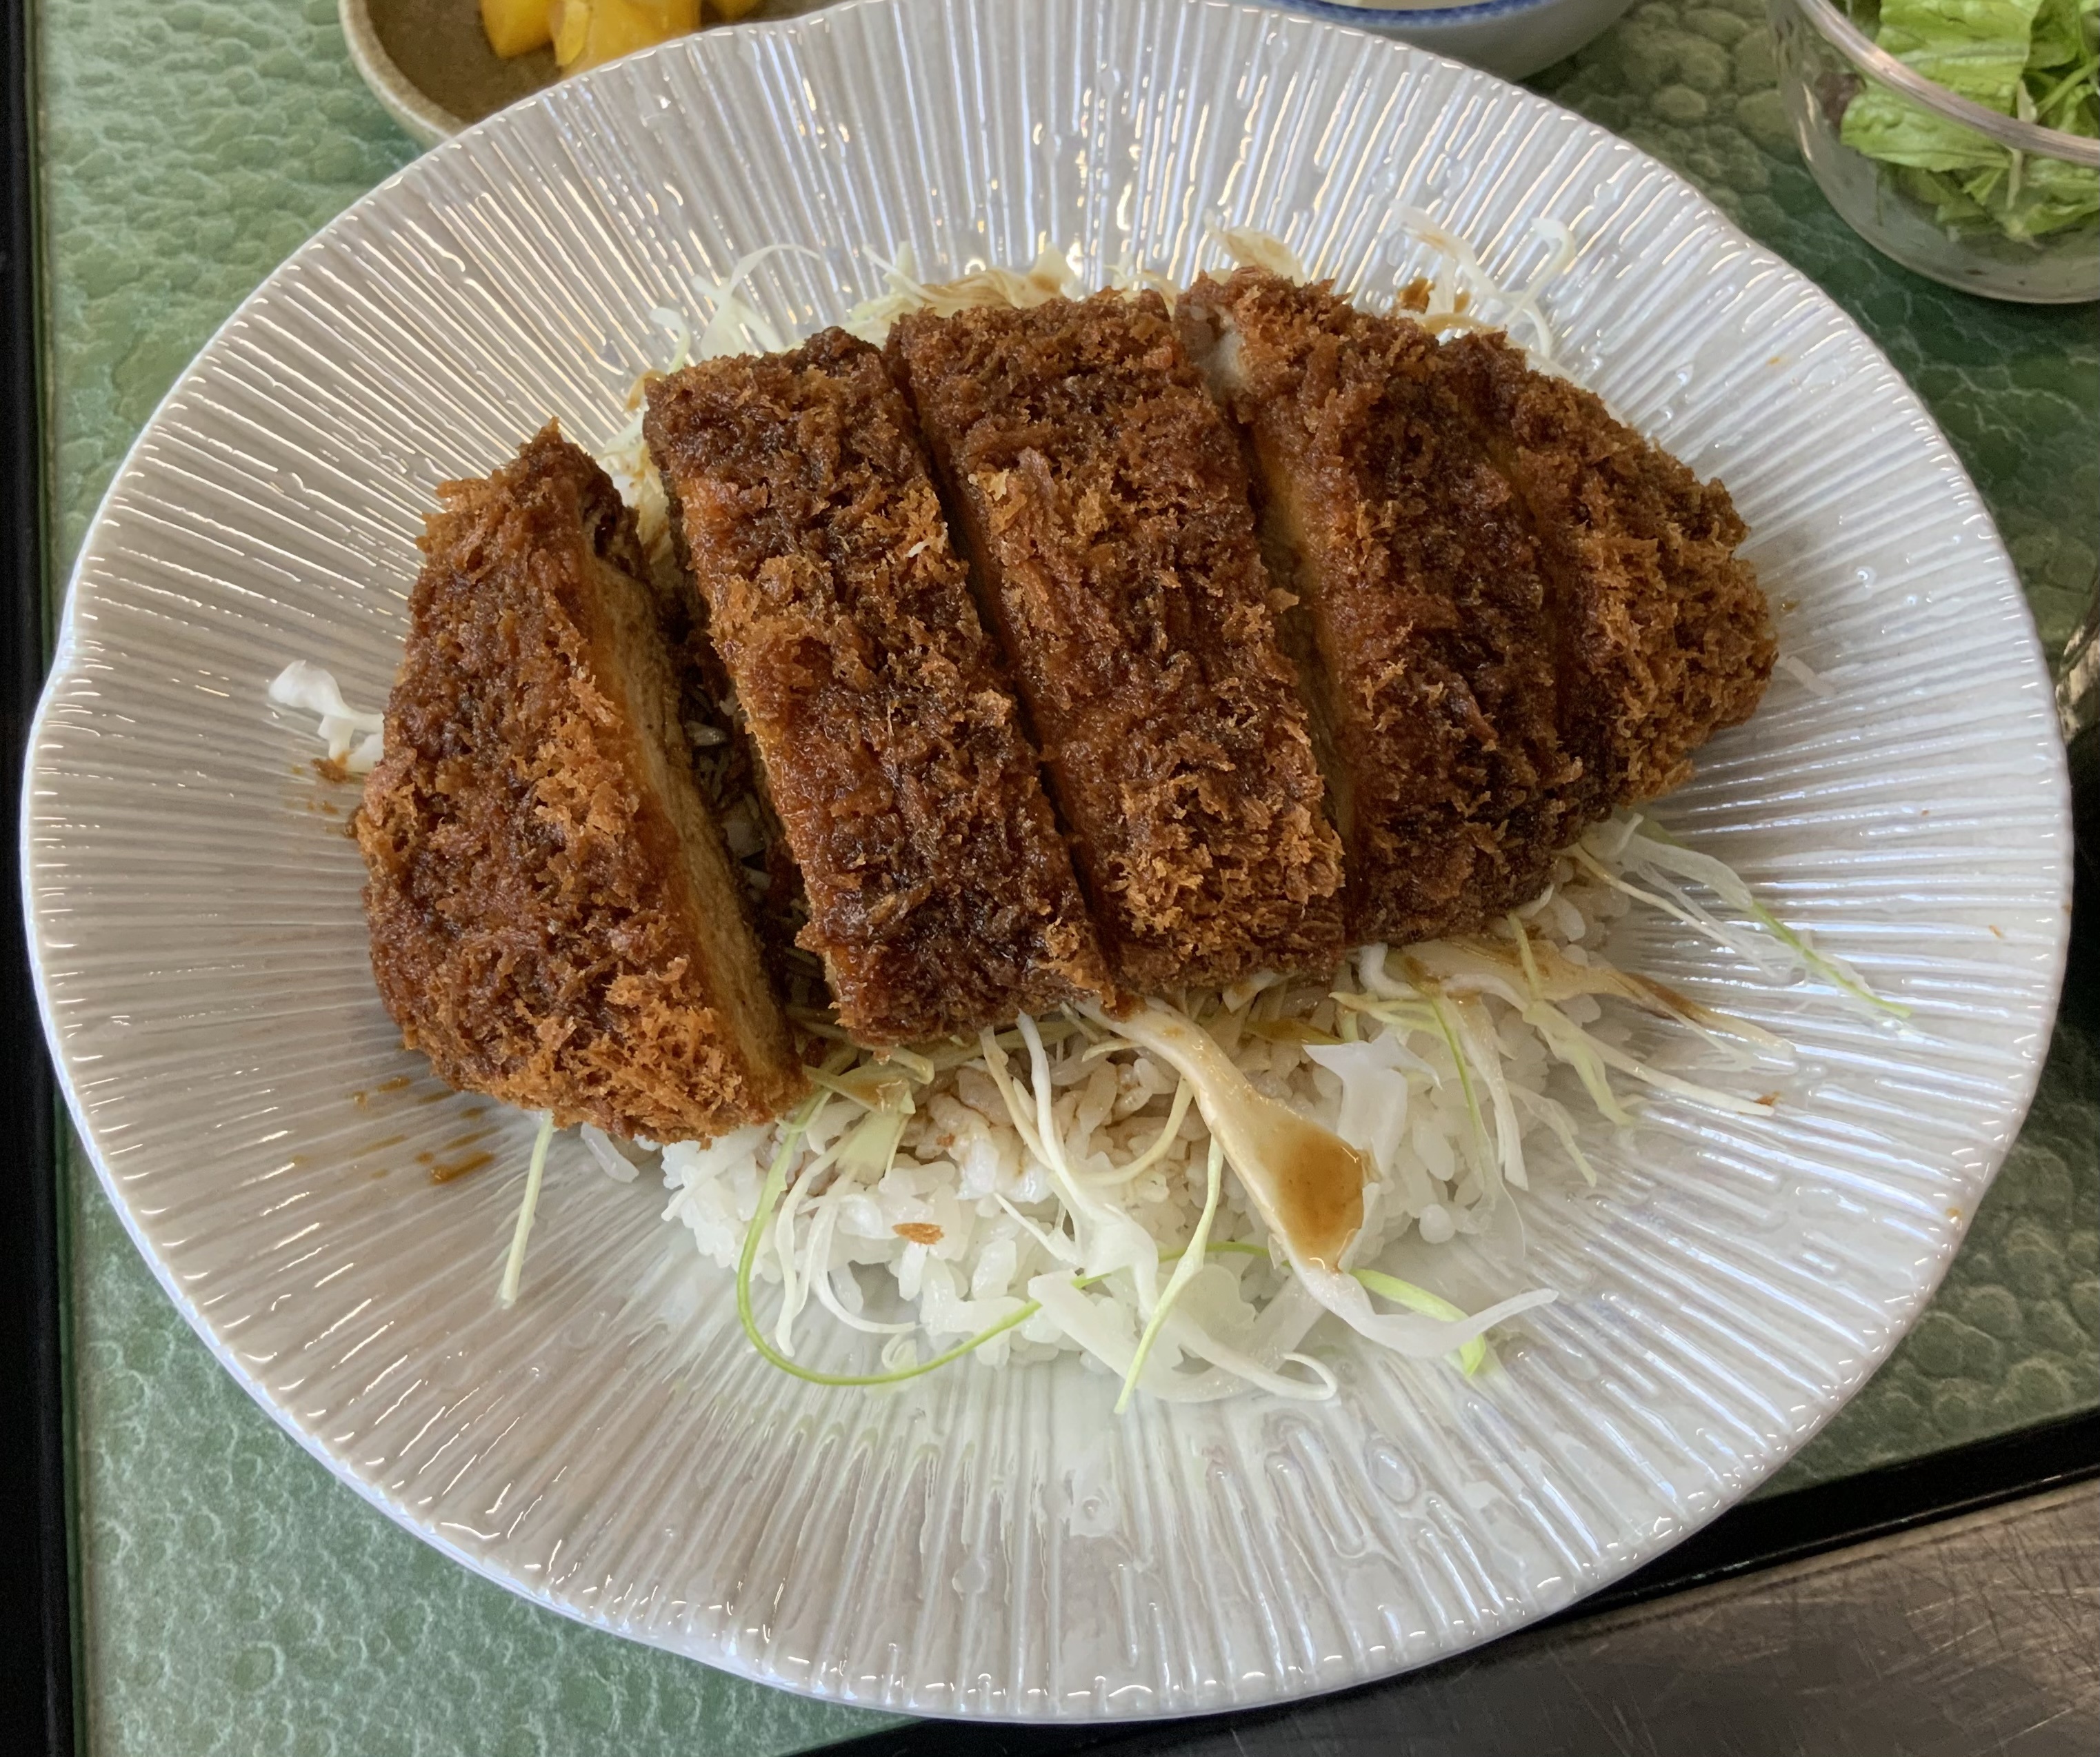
<point x="1960" y="137"/>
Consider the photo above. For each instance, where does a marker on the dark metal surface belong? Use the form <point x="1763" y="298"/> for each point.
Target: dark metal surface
<point x="1745" y="1547"/>
<point x="36" y="1627"/>
<point x="1782" y="1528"/>
<point x="1969" y="1637"/>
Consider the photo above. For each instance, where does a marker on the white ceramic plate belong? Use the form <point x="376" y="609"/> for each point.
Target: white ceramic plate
<point x="983" y="1544"/>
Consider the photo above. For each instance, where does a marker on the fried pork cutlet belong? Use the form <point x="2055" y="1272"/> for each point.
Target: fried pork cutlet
<point x="941" y="896"/>
<point x="555" y="919"/>
<point x="1105" y="505"/>
<point x="1425" y="630"/>
<point x="1665" y="634"/>
<point x="1521" y="613"/>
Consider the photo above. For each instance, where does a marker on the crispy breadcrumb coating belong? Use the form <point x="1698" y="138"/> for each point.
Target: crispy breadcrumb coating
<point x="941" y="896"/>
<point x="1666" y="634"/>
<point x="1427" y="628"/>
<point x="1106" y="509"/>
<point x="555" y="919"/>
<point x="1519" y="615"/>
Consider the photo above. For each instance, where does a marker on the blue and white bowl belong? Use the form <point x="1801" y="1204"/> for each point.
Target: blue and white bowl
<point x="1515" y="38"/>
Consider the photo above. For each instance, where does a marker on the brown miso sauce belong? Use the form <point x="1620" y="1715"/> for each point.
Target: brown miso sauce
<point x="1318" y="1183"/>
<point x="458" y="1168"/>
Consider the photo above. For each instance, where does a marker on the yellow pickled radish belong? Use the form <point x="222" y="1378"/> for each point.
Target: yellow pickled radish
<point x="516" y="26"/>
<point x="589" y="32"/>
<point x="571" y="21"/>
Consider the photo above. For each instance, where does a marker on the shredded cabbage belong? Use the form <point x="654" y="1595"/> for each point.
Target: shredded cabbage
<point x="1108" y="1186"/>
<point x="1463" y="295"/>
<point x="302" y="685"/>
<point x="1673" y="874"/>
<point x="613" y="1162"/>
<point x="513" y="1264"/>
<point x="1049" y="277"/>
<point x="951" y="1201"/>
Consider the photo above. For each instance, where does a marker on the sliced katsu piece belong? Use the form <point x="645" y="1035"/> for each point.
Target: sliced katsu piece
<point x="1106" y="508"/>
<point x="1497" y="544"/>
<point x="555" y="919"/>
<point x="1665" y="634"/>
<point x="941" y="896"/>
<point x="1425" y="632"/>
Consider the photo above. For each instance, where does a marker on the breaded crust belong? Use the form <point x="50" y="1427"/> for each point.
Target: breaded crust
<point x="1430" y="649"/>
<point x="1664" y="633"/>
<point x="941" y="896"/>
<point x="1575" y="622"/>
<point x="554" y="920"/>
<point x="1106" y="508"/>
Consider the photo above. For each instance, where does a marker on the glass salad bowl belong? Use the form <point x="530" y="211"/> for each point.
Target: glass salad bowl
<point x="1994" y="202"/>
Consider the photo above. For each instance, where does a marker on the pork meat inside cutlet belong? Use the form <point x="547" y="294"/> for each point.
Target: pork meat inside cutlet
<point x="1526" y="615"/>
<point x="555" y="919"/>
<point x="732" y="778"/>
<point x="1105" y="505"/>
<point x="1427" y="642"/>
<point x="941" y="896"/>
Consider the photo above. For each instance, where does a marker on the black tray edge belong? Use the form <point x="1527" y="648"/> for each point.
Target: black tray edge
<point x="1755" y="1536"/>
<point x="37" y="1668"/>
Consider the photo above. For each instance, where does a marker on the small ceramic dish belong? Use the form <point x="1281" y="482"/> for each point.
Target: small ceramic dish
<point x="428" y="61"/>
<point x="430" y="64"/>
<point x="1515" y="38"/>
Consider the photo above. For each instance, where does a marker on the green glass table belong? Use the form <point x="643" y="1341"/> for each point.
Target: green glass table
<point x="232" y="1598"/>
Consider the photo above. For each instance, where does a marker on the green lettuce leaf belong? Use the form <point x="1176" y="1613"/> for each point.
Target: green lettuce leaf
<point x="2029" y="58"/>
<point x="2051" y="196"/>
<point x="2048" y="196"/>
<point x="2062" y="64"/>
<point x="2060" y="40"/>
<point x="1885" y="126"/>
<point x="1978" y="48"/>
